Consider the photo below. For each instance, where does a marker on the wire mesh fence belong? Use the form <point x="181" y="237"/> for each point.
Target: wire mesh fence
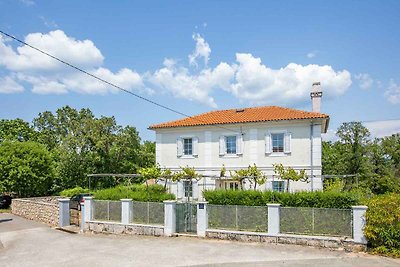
<point x="241" y="218"/>
<point x="104" y="210"/>
<point x="316" y="221"/>
<point x="148" y="212"/>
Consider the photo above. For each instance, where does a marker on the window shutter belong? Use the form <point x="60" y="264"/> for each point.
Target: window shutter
<point x="222" y="145"/>
<point x="239" y="144"/>
<point x="268" y="145"/>
<point x="287" y="141"/>
<point x="195" y="144"/>
<point x="179" y="147"/>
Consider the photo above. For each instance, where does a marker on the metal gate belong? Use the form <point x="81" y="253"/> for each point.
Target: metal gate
<point x="186" y="217"/>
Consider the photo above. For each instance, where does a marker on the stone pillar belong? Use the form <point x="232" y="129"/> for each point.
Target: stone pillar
<point x="359" y="222"/>
<point x="126" y="211"/>
<point x="169" y="217"/>
<point x="83" y="217"/>
<point x="63" y="212"/>
<point x="202" y="218"/>
<point x="273" y="218"/>
<point x="88" y="208"/>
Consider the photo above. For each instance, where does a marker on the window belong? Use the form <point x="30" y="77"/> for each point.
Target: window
<point x="187" y="146"/>
<point x="187" y="185"/>
<point x="278" y="186"/>
<point x="230" y="144"/>
<point x="277" y="142"/>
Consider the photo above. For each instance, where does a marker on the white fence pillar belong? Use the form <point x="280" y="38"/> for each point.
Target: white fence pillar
<point x="202" y="218"/>
<point x="63" y="212"/>
<point x="273" y="218"/>
<point x="169" y="217"/>
<point x="88" y="212"/>
<point x="83" y="216"/>
<point x="126" y="211"/>
<point x="359" y="224"/>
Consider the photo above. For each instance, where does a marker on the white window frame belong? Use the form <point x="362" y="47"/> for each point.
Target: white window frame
<point x="184" y="148"/>
<point x="281" y="182"/>
<point x="226" y="145"/>
<point x="223" y="145"/>
<point x="287" y="140"/>
<point x="180" y="147"/>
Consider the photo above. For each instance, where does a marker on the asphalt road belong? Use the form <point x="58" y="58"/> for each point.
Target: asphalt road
<point x="27" y="243"/>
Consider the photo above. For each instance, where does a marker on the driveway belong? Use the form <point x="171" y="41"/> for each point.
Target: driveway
<point x="27" y="243"/>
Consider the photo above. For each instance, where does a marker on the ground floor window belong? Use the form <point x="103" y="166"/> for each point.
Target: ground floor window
<point x="188" y="187"/>
<point x="230" y="185"/>
<point x="278" y="186"/>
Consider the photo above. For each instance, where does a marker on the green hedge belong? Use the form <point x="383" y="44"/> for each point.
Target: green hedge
<point x="383" y="224"/>
<point x="299" y="199"/>
<point x="153" y="193"/>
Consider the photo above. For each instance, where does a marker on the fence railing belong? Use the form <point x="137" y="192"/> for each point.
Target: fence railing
<point x="148" y="212"/>
<point x="316" y="221"/>
<point x="104" y="210"/>
<point x="247" y="218"/>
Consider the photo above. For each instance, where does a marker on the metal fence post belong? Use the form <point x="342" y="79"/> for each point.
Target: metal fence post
<point x="202" y="218"/>
<point x="88" y="208"/>
<point x="359" y="222"/>
<point x="83" y="217"/>
<point x="169" y="217"/>
<point x="126" y="211"/>
<point x="63" y="212"/>
<point x="273" y="218"/>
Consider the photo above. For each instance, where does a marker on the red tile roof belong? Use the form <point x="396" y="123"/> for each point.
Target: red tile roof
<point x="244" y="115"/>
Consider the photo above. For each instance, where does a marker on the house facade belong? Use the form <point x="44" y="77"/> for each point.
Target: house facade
<point x="237" y="138"/>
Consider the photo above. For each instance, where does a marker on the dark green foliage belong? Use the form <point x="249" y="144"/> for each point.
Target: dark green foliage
<point x="74" y="191"/>
<point x="26" y="169"/>
<point x="383" y="224"/>
<point x="299" y="199"/>
<point x="153" y="193"/>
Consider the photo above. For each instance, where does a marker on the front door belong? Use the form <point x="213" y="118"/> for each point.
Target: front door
<point x="186" y="217"/>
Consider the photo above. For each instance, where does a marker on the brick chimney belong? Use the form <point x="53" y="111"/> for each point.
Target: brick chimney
<point x="316" y="95"/>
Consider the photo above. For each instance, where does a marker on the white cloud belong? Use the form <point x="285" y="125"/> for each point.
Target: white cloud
<point x="202" y="50"/>
<point x="48" y="23"/>
<point x="48" y="76"/>
<point x="312" y="54"/>
<point x="258" y="83"/>
<point x="27" y="2"/>
<point x="365" y="80"/>
<point x="8" y="85"/>
<point x="392" y="93"/>
<point x="383" y="128"/>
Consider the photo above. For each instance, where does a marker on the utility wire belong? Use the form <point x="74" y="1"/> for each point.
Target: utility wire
<point x="112" y="84"/>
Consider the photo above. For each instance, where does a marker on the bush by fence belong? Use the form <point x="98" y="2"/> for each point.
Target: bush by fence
<point x="339" y="200"/>
<point x="383" y="224"/>
<point x="153" y="193"/>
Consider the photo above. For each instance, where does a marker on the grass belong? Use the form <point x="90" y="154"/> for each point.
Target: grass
<point x="5" y="210"/>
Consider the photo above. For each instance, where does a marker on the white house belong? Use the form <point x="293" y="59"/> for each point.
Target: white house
<point x="237" y="138"/>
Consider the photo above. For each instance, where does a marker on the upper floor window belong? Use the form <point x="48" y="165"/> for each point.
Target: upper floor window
<point x="187" y="146"/>
<point x="230" y="144"/>
<point x="278" y="142"/>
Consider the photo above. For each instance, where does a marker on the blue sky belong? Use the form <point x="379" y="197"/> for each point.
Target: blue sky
<point x="203" y="55"/>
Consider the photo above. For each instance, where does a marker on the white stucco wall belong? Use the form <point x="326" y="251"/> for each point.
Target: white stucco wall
<point x="209" y="162"/>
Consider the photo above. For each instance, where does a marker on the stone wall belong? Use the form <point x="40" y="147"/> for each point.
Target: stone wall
<point x="315" y="241"/>
<point x="40" y="209"/>
<point x="119" y="228"/>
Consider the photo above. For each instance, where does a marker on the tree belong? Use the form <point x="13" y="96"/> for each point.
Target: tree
<point x="26" y="168"/>
<point x="289" y="174"/>
<point x="16" y="130"/>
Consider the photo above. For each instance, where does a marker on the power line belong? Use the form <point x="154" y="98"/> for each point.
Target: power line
<point x="110" y="83"/>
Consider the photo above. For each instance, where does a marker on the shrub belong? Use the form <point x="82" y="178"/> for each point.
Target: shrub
<point x="383" y="224"/>
<point x="317" y="199"/>
<point x="74" y="191"/>
<point x="153" y="193"/>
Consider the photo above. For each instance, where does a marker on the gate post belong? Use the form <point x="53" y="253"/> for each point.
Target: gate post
<point x="63" y="212"/>
<point x="273" y="219"/>
<point x="88" y="212"/>
<point x="169" y="217"/>
<point x="359" y="222"/>
<point x="202" y="218"/>
<point x="126" y="211"/>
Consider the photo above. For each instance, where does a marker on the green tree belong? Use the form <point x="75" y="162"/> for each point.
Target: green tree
<point x="289" y="174"/>
<point x="16" y="130"/>
<point x="26" y="168"/>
